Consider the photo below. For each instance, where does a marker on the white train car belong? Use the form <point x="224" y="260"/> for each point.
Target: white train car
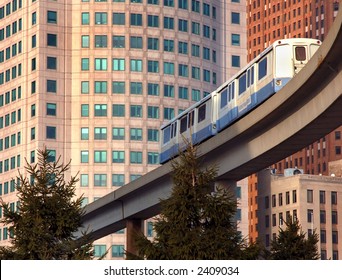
<point x="194" y="124"/>
<point x="251" y="86"/>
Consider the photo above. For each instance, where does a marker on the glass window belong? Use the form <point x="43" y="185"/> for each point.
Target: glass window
<point x="135" y="157"/>
<point x="195" y="28"/>
<point x="100" y="156"/>
<point x="100" y="180"/>
<point x="153" y="43"/>
<point x="118" y="110"/>
<point x="52" y="40"/>
<point x="195" y="73"/>
<point x="235" y="61"/>
<point x="85" y="110"/>
<point x="100" y="110"/>
<point x="169" y="113"/>
<point x="235" y="18"/>
<point x="118" y="87"/>
<point x="183" y="93"/>
<point x="136" y="88"/>
<point x="84" y="133"/>
<point x="153" y="66"/>
<point x="183" y="4"/>
<point x="51" y="109"/>
<point x="51" y="17"/>
<point x="206" y="31"/>
<point x="99" y="250"/>
<point x="100" y="133"/>
<point x="136" y="111"/>
<point x="153" y="135"/>
<point x="182" y="47"/>
<point x="136" y="134"/>
<point x="118" y="64"/>
<point x="334" y="198"/>
<point x="118" y="251"/>
<point x="136" y="19"/>
<point x="84" y="178"/>
<point x="183" y="25"/>
<point x="100" y="41"/>
<point x="118" y="133"/>
<point x="118" y="41"/>
<point x="136" y="65"/>
<point x="85" y="41"/>
<point x="118" y="19"/>
<point x="85" y="18"/>
<point x="169" y="91"/>
<point x="51" y="63"/>
<point x="195" y="95"/>
<point x="236" y="39"/>
<point x="153" y="112"/>
<point x="152" y="21"/>
<point x="169" y="68"/>
<point x="136" y="42"/>
<point x="262" y="66"/>
<point x="51" y="132"/>
<point x="152" y="158"/>
<point x="118" y="156"/>
<point x="84" y="87"/>
<point x="168" y="45"/>
<point x="100" y="87"/>
<point x="118" y="180"/>
<point x="168" y="23"/>
<point x="153" y="89"/>
<point x="101" y="64"/>
<point x="310" y="196"/>
<point x="100" y="18"/>
<point x="85" y="64"/>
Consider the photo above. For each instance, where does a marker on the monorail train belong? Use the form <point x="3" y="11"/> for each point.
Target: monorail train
<point x="261" y="78"/>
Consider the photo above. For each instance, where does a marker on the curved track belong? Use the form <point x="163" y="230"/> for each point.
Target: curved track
<point x="307" y="108"/>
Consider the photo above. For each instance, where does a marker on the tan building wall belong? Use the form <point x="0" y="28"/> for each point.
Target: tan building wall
<point x="314" y="200"/>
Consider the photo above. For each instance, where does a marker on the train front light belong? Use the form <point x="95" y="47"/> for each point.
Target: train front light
<point x="278" y="83"/>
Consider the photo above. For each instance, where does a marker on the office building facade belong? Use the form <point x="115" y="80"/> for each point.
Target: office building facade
<point x="93" y="80"/>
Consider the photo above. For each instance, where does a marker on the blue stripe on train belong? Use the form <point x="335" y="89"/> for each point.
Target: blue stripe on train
<point x="232" y="115"/>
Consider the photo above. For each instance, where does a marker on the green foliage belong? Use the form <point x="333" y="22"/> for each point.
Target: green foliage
<point x="292" y="244"/>
<point x="195" y="222"/>
<point x="47" y="216"/>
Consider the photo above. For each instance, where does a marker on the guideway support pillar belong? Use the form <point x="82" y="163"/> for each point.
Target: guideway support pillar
<point x="133" y="227"/>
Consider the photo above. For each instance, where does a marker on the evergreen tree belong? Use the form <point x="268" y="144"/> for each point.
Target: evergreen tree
<point x="195" y="222"/>
<point x="47" y="215"/>
<point x="292" y="244"/>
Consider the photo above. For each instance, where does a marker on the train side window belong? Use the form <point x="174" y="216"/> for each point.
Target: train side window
<point x="242" y="84"/>
<point x="224" y="98"/>
<point x="174" y="130"/>
<point x="183" y="124"/>
<point x="300" y="53"/>
<point x="262" y="68"/>
<point x="166" y="135"/>
<point x="233" y="90"/>
<point x="248" y="77"/>
<point x="201" y="113"/>
<point x="252" y="75"/>
<point x="191" y="116"/>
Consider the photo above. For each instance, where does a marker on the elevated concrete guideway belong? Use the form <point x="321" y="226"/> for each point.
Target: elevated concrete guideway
<point x="306" y="109"/>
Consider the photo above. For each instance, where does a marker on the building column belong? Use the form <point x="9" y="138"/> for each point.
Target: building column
<point x="133" y="227"/>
